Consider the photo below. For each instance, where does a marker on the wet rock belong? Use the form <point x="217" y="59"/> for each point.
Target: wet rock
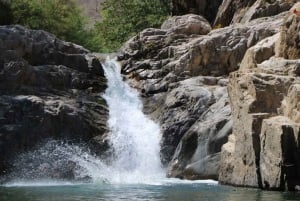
<point x="198" y="154"/>
<point x="182" y="107"/>
<point x="48" y="89"/>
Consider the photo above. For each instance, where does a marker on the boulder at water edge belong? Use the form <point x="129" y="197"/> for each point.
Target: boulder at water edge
<point x="48" y="89"/>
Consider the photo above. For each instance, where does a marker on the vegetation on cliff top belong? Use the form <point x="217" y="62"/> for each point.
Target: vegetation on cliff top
<point x="121" y="19"/>
<point x="124" y="18"/>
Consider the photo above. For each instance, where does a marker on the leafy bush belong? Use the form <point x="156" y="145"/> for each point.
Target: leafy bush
<point x="121" y="19"/>
<point x="60" y="17"/>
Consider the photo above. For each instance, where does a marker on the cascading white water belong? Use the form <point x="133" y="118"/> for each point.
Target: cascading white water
<point x="134" y="139"/>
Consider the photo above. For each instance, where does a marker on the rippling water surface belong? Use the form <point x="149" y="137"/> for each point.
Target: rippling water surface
<point x="172" y="191"/>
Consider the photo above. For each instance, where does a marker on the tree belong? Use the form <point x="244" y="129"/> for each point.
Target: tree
<point x="121" y="19"/>
<point x="60" y="17"/>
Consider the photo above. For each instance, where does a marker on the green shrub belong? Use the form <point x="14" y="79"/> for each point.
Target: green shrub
<point x="121" y="19"/>
<point x="60" y="17"/>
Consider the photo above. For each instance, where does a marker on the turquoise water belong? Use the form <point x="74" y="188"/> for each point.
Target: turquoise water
<point x="143" y="192"/>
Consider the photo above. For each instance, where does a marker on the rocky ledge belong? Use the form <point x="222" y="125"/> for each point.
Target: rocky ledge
<point x="226" y="98"/>
<point x="48" y="89"/>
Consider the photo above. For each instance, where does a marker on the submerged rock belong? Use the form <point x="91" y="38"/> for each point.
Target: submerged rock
<point x="48" y="89"/>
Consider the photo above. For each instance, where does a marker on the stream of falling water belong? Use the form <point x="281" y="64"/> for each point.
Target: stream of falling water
<point x="134" y="139"/>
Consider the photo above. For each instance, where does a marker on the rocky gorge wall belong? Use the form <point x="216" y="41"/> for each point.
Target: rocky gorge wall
<point x="226" y="98"/>
<point x="49" y="89"/>
<point x="223" y="83"/>
<point x="264" y="145"/>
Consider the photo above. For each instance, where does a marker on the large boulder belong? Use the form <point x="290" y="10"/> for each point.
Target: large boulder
<point x="187" y="24"/>
<point x="42" y="48"/>
<point x="48" y="89"/>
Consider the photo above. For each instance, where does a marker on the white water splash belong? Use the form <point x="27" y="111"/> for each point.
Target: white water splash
<point x="134" y="139"/>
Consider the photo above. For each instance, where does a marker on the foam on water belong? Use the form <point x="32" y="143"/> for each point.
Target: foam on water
<point x="42" y="183"/>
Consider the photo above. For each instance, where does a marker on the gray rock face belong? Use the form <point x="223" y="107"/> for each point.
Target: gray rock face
<point x="279" y="156"/>
<point x="179" y="75"/>
<point x="250" y="105"/>
<point x="48" y="89"/>
<point x="264" y="146"/>
<point x="240" y="11"/>
<point x="198" y="153"/>
<point x="185" y="107"/>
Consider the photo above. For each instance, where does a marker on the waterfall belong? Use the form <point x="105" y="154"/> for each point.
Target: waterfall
<point x="134" y="139"/>
<point x="133" y="136"/>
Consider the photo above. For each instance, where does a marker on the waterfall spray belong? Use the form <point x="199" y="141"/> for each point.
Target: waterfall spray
<point x="134" y="139"/>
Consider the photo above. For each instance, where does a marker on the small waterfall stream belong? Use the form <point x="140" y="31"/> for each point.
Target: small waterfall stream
<point x="134" y="139"/>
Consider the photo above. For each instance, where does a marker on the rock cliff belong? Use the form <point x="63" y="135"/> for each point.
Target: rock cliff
<point x="222" y="79"/>
<point x="226" y="98"/>
<point x="264" y="146"/>
<point x="48" y="89"/>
